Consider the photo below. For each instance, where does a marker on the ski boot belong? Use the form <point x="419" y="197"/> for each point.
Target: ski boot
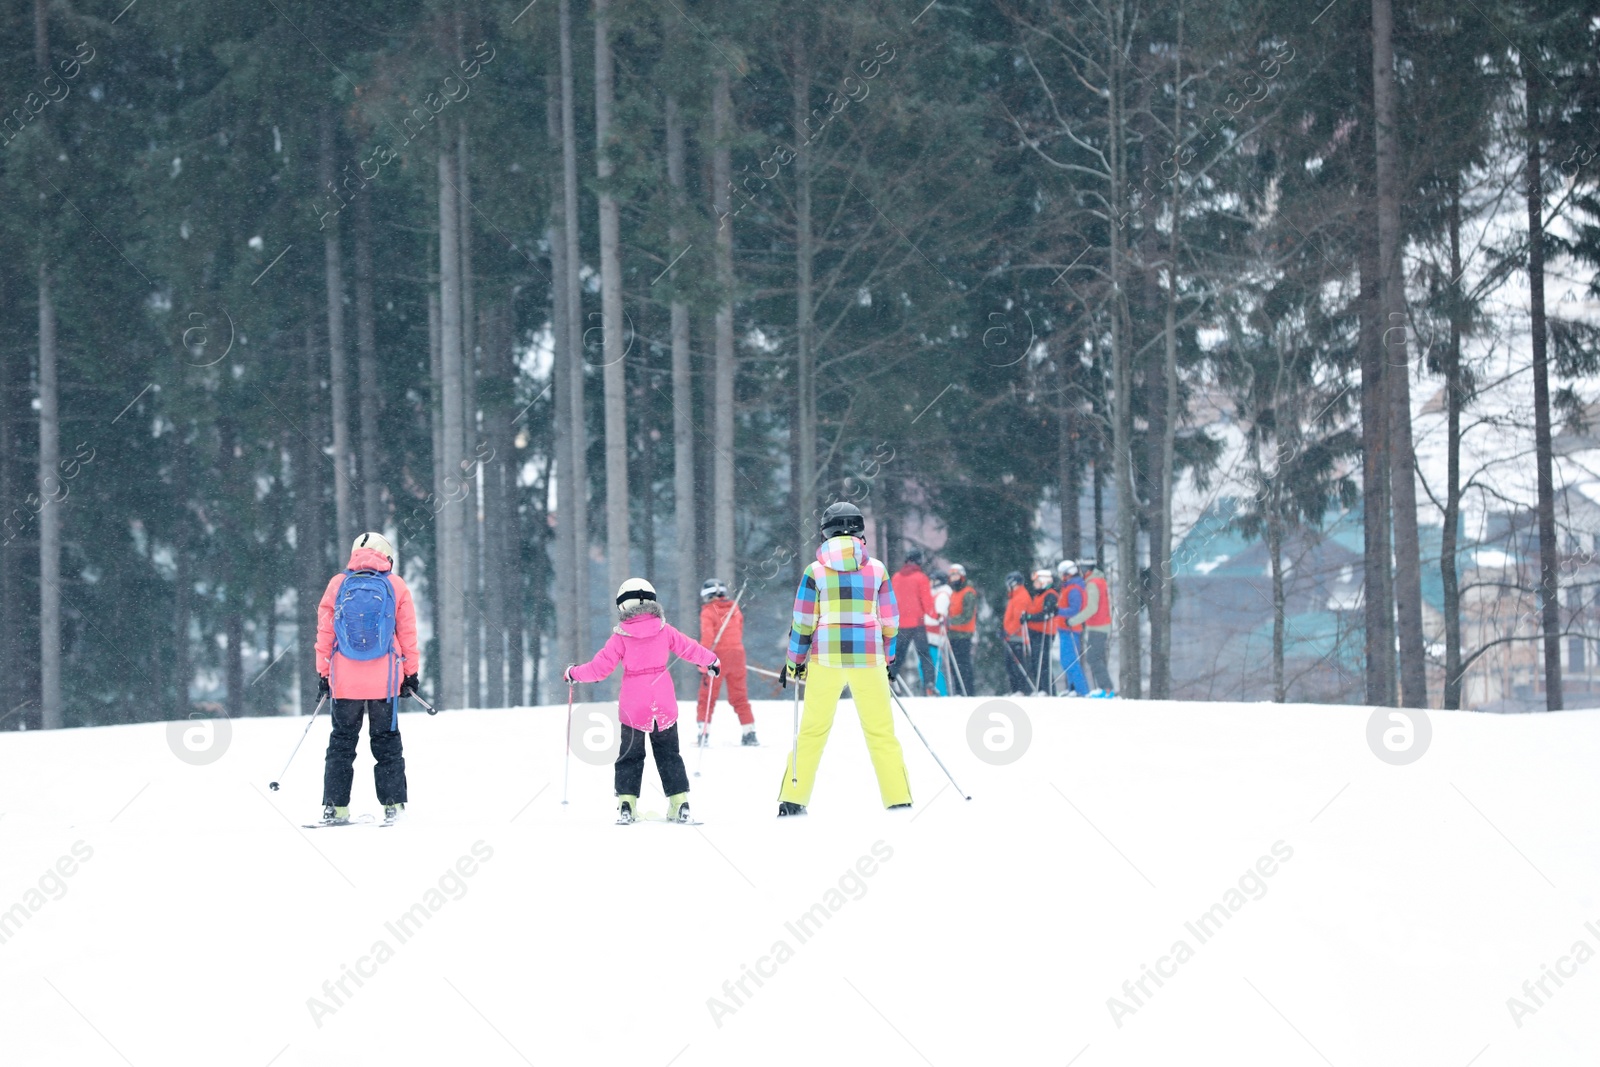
<point x="749" y="738"/>
<point x="391" y="812"/>
<point x="897" y="807"/>
<point x="789" y="807"/>
<point x="335" y="815"/>
<point x="627" y="810"/>
<point x="678" y="807"/>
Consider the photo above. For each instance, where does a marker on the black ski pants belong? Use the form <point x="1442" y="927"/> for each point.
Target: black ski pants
<point x="912" y="638"/>
<point x="961" y="681"/>
<point x="1098" y="643"/>
<point x="1016" y="667"/>
<point x="1041" y="664"/>
<point x="669" y="763"/>
<point x="389" y="775"/>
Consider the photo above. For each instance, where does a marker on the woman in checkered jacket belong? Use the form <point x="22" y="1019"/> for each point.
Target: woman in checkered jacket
<point x="845" y="620"/>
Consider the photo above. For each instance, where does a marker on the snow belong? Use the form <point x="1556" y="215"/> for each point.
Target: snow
<point x="1377" y="914"/>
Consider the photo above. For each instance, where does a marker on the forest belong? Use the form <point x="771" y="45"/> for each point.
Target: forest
<point x="557" y="293"/>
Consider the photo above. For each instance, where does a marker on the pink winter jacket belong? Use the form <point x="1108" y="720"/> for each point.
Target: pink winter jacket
<point x="644" y="644"/>
<point x="371" y="679"/>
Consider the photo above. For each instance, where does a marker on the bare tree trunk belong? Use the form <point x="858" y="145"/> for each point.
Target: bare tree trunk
<point x="567" y="428"/>
<point x="344" y="508"/>
<point x="684" y="520"/>
<point x="436" y="499"/>
<point x="1279" y="613"/>
<point x="1069" y="476"/>
<point x="1402" y="458"/>
<point x="1454" y="398"/>
<point x="723" y="370"/>
<point x="1161" y="546"/>
<point x="453" y="509"/>
<point x="309" y="542"/>
<point x="183" y="576"/>
<point x="1549" y="560"/>
<point x="613" y="340"/>
<point x="575" y="360"/>
<point x="472" y="527"/>
<point x="1378" y="607"/>
<point x="805" y="334"/>
<point x="49" y="490"/>
<point x="1127" y="595"/>
<point x="499" y="572"/>
<point x="11" y="613"/>
<point x="367" y="363"/>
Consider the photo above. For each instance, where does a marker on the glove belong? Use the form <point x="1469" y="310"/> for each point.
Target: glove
<point x="715" y="669"/>
<point x="797" y="671"/>
<point x="323" y="688"/>
<point x="409" y="687"/>
<point x="888" y="668"/>
<point x="567" y="674"/>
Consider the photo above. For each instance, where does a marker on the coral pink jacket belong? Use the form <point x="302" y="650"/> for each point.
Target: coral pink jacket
<point x="372" y="679"/>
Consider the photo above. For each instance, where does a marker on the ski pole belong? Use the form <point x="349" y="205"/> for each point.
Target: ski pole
<point x="1013" y="654"/>
<point x="794" y="763"/>
<point x="274" y="785"/>
<point x="418" y="698"/>
<point x="950" y="654"/>
<point x="566" y="767"/>
<point x="699" y="760"/>
<point x="927" y="746"/>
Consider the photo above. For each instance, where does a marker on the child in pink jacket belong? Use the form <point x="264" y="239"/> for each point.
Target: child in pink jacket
<point x="648" y="704"/>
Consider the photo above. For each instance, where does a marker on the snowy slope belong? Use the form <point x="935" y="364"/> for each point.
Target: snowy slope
<point x="1412" y="903"/>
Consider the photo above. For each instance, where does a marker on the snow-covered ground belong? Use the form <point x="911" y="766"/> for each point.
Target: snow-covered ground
<point x="1359" y="912"/>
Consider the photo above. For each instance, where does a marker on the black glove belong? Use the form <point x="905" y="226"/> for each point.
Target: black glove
<point x="567" y="674"/>
<point x="888" y="668"/>
<point x="796" y="671"/>
<point x="323" y="688"/>
<point x="409" y="687"/>
<point x="715" y="670"/>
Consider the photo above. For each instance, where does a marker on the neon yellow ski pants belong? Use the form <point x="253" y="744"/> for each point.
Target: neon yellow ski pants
<point x="869" y="689"/>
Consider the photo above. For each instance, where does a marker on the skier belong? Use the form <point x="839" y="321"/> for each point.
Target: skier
<point x="1015" y="636"/>
<point x="938" y="640"/>
<point x="722" y="631"/>
<point x="845" y="612"/>
<point x="367" y="659"/>
<point x="961" y="626"/>
<point x="915" y="597"/>
<point x="648" y="704"/>
<point x="1070" y="601"/>
<point x="1041" y="622"/>
<point x="1095" y="618"/>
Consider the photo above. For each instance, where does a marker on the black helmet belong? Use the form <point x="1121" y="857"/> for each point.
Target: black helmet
<point x="1014" y="579"/>
<point x="843" y="518"/>
<point x="914" y="555"/>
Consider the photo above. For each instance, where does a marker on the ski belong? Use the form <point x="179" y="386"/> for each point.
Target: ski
<point x="360" y="820"/>
<point x="656" y="816"/>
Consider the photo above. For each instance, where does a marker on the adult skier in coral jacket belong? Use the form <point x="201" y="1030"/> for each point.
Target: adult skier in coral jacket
<point x="914" y="595"/>
<point x="1095" y="618"/>
<point x="721" y="616"/>
<point x="1040" y="619"/>
<point x="1014" y="638"/>
<point x="366" y="687"/>
<point x="961" y="625"/>
<point x="845" y="622"/>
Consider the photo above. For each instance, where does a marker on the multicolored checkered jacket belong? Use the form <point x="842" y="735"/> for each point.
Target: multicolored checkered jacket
<point x="845" y="607"/>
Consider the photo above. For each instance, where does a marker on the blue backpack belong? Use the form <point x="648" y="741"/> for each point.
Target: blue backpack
<point x="363" y="627"/>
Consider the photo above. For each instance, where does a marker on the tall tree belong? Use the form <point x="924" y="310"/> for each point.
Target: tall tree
<point x="685" y="525"/>
<point x="367" y="367"/>
<point x="1549" y="558"/>
<point x="452" y="506"/>
<point x="1402" y="456"/>
<point x="722" y="414"/>
<point x="573" y="279"/>
<point x="338" y="378"/>
<point x="613" y="339"/>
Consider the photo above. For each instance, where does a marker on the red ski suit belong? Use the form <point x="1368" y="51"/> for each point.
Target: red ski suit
<point x="730" y="652"/>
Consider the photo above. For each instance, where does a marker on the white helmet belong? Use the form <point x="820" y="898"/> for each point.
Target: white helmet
<point x="1066" y="568"/>
<point x="1043" y="577"/>
<point x="634" y="591"/>
<point x="713" y="587"/>
<point x="378" y="543"/>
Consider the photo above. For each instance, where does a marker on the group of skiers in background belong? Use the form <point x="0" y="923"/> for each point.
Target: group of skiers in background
<point x="1071" y="605"/>
<point x="853" y="625"/>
